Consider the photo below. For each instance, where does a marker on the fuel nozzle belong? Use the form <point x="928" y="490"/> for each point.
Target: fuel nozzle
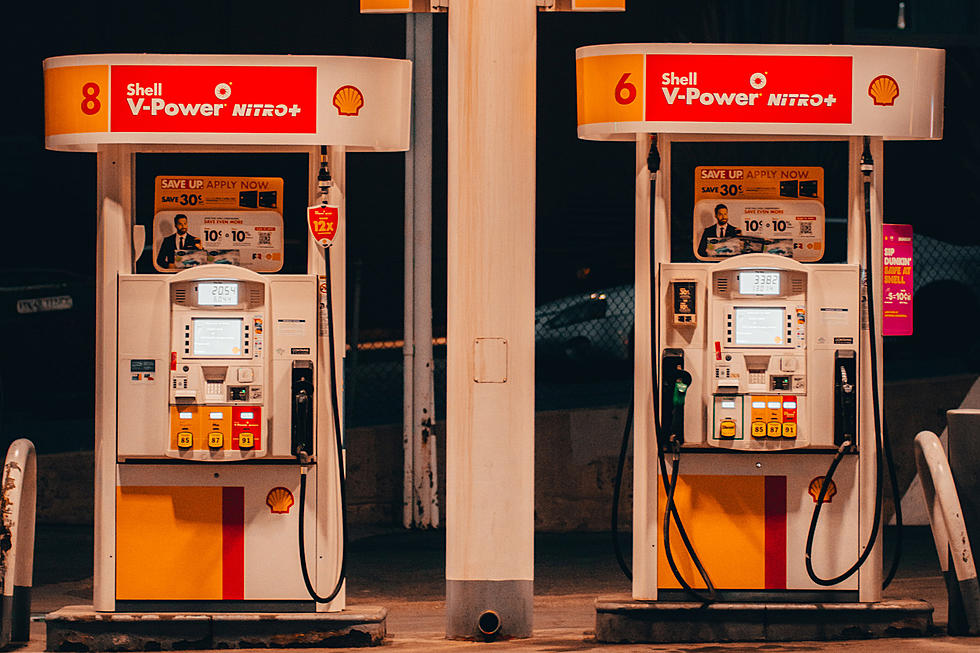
<point x="653" y="157"/>
<point x="682" y="381"/>
<point x="323" y="180"/>
<point x="867" y="161"/>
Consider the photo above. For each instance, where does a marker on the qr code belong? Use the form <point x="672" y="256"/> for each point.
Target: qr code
<point x="806" y="228"/>
<point x="266" y="238"/>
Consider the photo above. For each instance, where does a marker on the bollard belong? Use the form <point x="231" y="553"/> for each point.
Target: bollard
<point x="17" y="508"/>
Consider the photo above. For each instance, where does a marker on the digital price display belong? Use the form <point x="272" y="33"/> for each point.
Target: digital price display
<point x="217" y="293"/>
<point x="759" y="326"/>
<point x="758" y="282"/>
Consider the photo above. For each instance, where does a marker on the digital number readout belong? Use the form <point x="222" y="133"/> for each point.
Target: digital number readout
<point x="217" y="293"/>
<point x="758" y="282"/>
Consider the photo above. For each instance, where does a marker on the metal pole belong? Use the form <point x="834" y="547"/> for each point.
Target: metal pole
<point x="421" y="504"/>
<point x="490" y="384"/>
<point x="426" y="506"/>
<point x="408" y="346"/>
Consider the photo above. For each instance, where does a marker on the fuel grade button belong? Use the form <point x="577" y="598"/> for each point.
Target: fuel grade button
<point x="727" y="428"/>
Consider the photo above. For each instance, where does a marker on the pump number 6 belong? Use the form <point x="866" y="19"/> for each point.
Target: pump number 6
<point x="625" y="91"/>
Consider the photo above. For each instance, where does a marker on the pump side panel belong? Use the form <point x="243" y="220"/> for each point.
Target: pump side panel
<point x="748" y="523"/>
<point x="294" y="328"/>
<point x="216" y="532"/>
<point x="143" y="369"/>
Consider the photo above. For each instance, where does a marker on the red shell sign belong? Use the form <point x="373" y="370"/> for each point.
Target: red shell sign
<point x="244" y="99"/>
<point x="323" y="221"/>
<point x="748" y="88"/>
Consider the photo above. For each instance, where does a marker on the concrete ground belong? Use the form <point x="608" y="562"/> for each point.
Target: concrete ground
<point x="404" y="572"/>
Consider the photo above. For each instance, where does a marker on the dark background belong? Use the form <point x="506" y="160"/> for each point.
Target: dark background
<point x="49" y="198"/>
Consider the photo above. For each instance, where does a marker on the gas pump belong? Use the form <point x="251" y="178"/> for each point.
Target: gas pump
<point x="757" y="427"/>
<point x="220" y="328"/>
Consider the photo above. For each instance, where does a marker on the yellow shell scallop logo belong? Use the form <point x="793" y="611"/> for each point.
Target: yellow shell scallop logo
<point x="348" y="100"/>
<point x="279" y="500"/>
<point x="814" y="489"/>
<point x="883" y="90"/>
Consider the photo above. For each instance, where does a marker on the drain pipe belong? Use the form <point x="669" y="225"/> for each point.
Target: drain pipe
<point x="17" y="508"/>
<point x="488" y="624"/>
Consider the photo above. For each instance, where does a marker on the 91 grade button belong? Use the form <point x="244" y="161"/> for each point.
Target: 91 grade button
<point x="246" y="440"/>
<point x="789" y="430"/>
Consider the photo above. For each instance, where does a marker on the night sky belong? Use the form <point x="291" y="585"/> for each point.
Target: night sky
<point x="585" y="189"/>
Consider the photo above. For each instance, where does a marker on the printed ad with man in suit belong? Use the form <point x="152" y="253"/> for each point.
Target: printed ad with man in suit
<point x="179" y="241"/>
<point x="717" y="233"/>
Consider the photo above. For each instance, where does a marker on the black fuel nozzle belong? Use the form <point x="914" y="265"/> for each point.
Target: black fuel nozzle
<point x="323" y="180"/>
<point x="302" y="411"/>
<point x="653" y="157"/>
<point x="867" y="161"/>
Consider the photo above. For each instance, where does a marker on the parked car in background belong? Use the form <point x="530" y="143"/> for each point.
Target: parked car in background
<point x="596" y="326"/>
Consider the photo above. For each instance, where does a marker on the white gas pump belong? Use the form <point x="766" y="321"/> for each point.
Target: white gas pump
<point x="756" y="394"/>
<point x="216" y="379"/>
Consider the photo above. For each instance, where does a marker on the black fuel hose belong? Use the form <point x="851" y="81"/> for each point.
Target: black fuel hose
<point x="883" y="453"/>
<point x="341" y="475"/>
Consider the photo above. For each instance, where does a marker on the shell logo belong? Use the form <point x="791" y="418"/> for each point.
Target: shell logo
<point x="348" y="100"/>
<point x="883" y="89"/>
<point x="279" y="500"/>
<point x="814" y="489"/>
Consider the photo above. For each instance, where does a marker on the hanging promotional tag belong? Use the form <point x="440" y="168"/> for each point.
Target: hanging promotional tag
<point x="323" y="220"/>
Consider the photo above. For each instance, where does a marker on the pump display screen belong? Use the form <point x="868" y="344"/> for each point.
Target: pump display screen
<point x="759" y="326"/>
<point x="217" y="336"/>
<point x="758" y="282"/>
<point x="217" y="293"/>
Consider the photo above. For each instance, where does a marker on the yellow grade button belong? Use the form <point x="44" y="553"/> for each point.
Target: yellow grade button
<point x="774" y="429"/>
<point x="185" y="439"/>
<point x="246" y="440"/>
<point x="727" y="428"/>
<point x="215" y="439"/>
<point x="789" y="430"/>
<point x="758" y="429"/>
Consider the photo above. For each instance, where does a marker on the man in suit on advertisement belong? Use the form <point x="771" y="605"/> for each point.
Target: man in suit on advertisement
<point x="179" y="241"/>
<point x="721" y="229"/>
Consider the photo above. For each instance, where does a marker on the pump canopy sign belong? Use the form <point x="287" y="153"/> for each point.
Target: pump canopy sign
<point x="627" y="89"/>
<point x="360" y="103"/>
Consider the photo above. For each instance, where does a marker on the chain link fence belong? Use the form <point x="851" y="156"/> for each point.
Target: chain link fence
<point x="584" y="342"/>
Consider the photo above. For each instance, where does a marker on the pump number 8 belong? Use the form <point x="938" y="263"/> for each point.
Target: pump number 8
<point x="90" y="104"/>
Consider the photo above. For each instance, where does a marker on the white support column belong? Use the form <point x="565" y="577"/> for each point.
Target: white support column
<point x="421" y="504"/>
<point x="113" y="256"/>
<point x="490" y="418"/>
<point x="645" y="470"/>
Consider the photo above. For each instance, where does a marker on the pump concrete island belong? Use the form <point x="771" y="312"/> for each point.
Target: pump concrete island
<point x="759" y="452"/>
<point x="220" y="336"/>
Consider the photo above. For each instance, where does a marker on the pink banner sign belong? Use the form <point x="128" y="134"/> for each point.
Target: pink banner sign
<point x="896" y="286"/>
